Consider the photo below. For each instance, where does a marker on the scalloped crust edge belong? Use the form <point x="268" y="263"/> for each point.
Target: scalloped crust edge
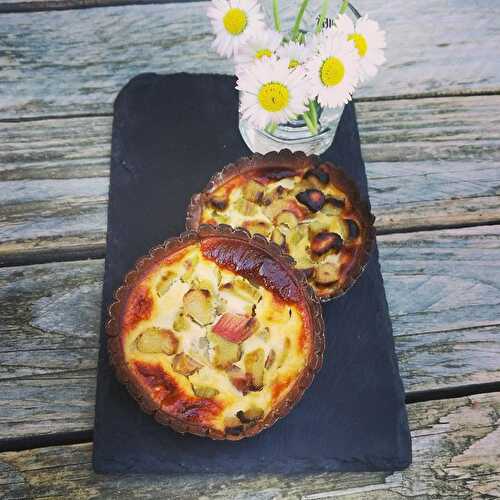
<point x="172" y="245"/>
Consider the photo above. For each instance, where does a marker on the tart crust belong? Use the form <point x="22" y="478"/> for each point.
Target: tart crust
<point x="352" y="255"/>
<point x="268" y="267"/>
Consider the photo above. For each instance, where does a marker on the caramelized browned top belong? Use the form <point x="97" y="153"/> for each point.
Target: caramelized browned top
<point x="252" y="263"/>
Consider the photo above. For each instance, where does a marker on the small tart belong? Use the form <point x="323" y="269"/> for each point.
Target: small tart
<point x="307" y="207"/>
<point x="215" y="334"/>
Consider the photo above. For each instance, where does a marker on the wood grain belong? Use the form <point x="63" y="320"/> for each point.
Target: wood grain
<point x="443" y="292"/>
<point x="423" y="166"/>
<point x="456" y="446"/>
<point x="75" y="61"/>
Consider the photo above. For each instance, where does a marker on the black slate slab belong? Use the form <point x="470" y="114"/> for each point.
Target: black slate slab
<point x="170" y="134"/>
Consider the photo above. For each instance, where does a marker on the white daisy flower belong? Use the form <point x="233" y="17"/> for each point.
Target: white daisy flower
<point x="334" y="71"/>
<point x="297" y="53"/>
<point x="262" y="44"/>
<point x="270" y="92"/>
<point x="234" y="22"/>
<point x="369" y="39"/>
<point x="315" y="40"/>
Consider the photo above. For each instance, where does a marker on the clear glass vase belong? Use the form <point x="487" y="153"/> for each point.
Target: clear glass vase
<point x="295" y="135"/>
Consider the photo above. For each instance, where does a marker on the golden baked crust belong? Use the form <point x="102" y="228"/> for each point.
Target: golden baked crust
<point x="308" y="207"/>
<point x="215" y="334"/>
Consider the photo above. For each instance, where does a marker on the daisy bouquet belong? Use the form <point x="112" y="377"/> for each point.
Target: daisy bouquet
<point x="294" y="75"/>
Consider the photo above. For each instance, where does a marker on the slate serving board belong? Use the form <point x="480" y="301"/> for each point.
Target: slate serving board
<point x="170" y="134"/>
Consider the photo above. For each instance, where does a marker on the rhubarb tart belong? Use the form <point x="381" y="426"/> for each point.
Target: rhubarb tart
<point x="215" y="333"/>
<point x="308" y="207"/>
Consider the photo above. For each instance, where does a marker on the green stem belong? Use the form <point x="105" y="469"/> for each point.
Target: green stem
<point x="322" y="15"/>
<point x="313" y="127"/>
<point x="344" y="6"/>
<point x="276" y="15"/>
<point x="298" y="20"/>
<point x="271" y="127"/>
<point x="313" y="112"/>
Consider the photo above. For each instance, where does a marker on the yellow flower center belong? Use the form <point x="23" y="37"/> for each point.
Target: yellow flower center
<point x="235" y="21"/>
<point x="332" y="72"/>
<point x="293" y="64"/>
<point x="359" y="42"/>
<point x="273" y="96"/>
<point x="263" y="53"/>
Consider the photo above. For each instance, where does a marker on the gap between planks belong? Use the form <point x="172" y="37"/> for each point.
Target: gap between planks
<point x="48" y="5"/>
<point x="86" y="436"/>
<point x="422" y="60"/>
<point x="454" y="456"/>
<point x="98" y="251"/>
<point x="381" y="98"/>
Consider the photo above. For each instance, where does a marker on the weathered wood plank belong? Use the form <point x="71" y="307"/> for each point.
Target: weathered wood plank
<point x="456" y="446"/>
<point x="443" y="292"/>
<point x="75" y="61"/>
<point x="450" y="128"/>
<point x="423" y="166"/>
<point x="7" y="6"/>
<point x="455" y="128"/>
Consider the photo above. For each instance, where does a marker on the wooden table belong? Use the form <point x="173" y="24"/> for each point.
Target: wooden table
<point x="430" y="129"/>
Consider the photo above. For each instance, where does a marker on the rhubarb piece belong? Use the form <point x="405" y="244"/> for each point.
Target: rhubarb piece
<point x="296" y="235"/>
<point x="250" y="415"/>
<point x="317" y="176"/>
<point x="254" y="366"/>
<point x="237" y="300"/>
<point x="324" y="242"/>
<point x="190" y="266"/>
<point x="277" y="194"/>
<point x="204" y="391"/>
<point x="277" y="173"/>
<point x="325" y="274"/>
<point x="296" y="209"/>
<point x="278" y="206"/>
<point x="225" y="353"/>
<point x="181" y="323"/>
<point x="185" y="365"/>
<point x="221" y="306"/>
<point x="245" y="290"/>
<point x="203" y="347"/>
<point x="352" y="229"/>
<point x="286" y="218"/>
<point x="241" y="380"/>
<point x="165" y="282"/>
<point x="219" y="200"/>
<point x="253" y="191"/>
<point x="313" y="199"/>
<point x="333" y="206"/>
<point x="156" y="340"/>
<point x="271" y="357"/>
<point x="245" y="207"/>
<point x="198" y="305"/>
<point x="264" y="333"/>
<point x="273" y="209"/>
<point x="204" y="284"/>
<point x="277" y="237"/>
<point x="319" y="225"/>
<point x="235" y="327"/>
<point x="284" y="352"/>
<point x="259" y="227"/>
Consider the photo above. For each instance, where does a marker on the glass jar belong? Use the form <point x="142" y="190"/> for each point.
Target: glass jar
<point x="295" y="135"/>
